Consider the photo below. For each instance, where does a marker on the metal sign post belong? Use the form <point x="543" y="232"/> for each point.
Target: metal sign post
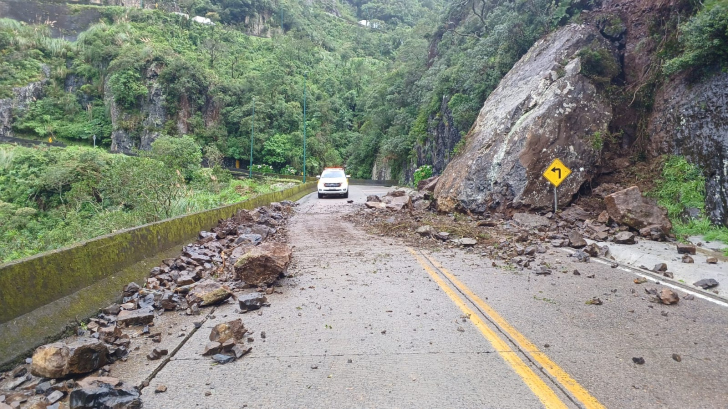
<point x="94" y="141"/>
<point x="556" y="173"/>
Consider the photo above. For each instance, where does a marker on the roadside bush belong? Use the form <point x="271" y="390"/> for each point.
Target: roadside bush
<point x="422" y="173"/>
<point x="704" y="40"/>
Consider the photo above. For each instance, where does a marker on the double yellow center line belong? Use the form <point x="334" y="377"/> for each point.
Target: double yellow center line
<point x="544" y="393"/>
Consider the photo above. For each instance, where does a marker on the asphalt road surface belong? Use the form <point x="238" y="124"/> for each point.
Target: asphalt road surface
<point x="366" y="321"/>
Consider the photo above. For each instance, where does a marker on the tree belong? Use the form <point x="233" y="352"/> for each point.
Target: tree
<point x="180" y="154"/>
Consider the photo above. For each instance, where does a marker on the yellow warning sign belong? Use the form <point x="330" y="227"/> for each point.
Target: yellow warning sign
<point x="556" y="172"/>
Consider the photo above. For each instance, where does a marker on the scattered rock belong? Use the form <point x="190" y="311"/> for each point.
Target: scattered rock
<point x="55" y="396"/>
<point x="603" y="217"/>
<point x="263" y="264"/>
<point x="160" y="389"/>
<point x="466" y="242"/>
<point x="426" y="231"/>
<point x="239" y="351"/>
<point x="207" y="292"/>
<point x="704" y="284"/>
<point x="531" y="220"/>
<point x="640" y="280"/>
<point x="624" y="237"/>
<point x="135" y="317"/>
<point x="668" y="274"/>
<point x="581" y="256"/>
<point x="668" y="296"/>
<point x="157" y="353"/>
<point x="428" y="185"/>
<point x="212" y="348"/>
<point x="638" y="360"/>
<point x="250" y="302"/>
<point x="660" y="267"/>
<point x="630" y="208"/>
<point x="375" y="205"/>
<point x="373" y="199"/>
<point x="231" y="330"/>
<point x="443" y="235"/>
<point x="112" y="309"/>
<point x="349" y="201"/>
<point x="576" y="240"/>
<point x="594" y="301"/>
<point x="223" y="359"/>
<point x="711" y="260"/>
<point x="687" y="259"/>
<point x="58" y="360"/>
<point x="104" y="396"/>
<point x="676" y="357"/>
<point x="683" y="248"/>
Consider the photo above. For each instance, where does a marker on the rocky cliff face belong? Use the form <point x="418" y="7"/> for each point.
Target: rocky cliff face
<point x="138" y="130"/>
<point x="691" y="119"/>
<point x="437" y="150"/>
<point x="22" y="96"/>
<point x="544" y="108"/>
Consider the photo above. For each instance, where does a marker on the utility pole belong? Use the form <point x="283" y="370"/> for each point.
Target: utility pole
<point x="252" y="133"/>
<point x="305" y="75"/>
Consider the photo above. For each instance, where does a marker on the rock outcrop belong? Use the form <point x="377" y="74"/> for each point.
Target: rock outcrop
<point x="124" y="140"/>
<point x="691" y="119"/>
<point x="22" y="96"/>
<point x="544" y="108"/>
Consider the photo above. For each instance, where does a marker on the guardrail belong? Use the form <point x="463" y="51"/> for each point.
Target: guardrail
<point x="41" y="295"/>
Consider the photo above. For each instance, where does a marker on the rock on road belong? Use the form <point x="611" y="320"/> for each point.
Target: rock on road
<point x="361" y="322"/>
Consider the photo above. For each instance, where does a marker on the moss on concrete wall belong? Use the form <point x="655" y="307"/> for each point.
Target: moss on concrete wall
<point x="32" y="283"/>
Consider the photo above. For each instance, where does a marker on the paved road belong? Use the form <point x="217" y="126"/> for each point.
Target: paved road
<point x="365" y="321"/>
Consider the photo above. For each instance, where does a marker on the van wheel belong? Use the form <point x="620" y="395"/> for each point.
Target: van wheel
<point x="346" y="195"/>
<point x="320" y="196"/>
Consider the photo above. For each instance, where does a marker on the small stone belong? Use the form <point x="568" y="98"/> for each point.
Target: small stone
<point x="594" y="301"/>
<point x="687" y="259"/>
<point x="624" y="237"/>
<point x="234" y="330"/>
<point x="640" y="280"/>
<point x="576" y="240"/>
<point x="683" y="248"/>
<point x="314" y="366"/>
<point x="711" y="260"/>
<point x="668" y="274"/>
<point x="223" y="359"/>
<point x="212" y="348"/>
<point x="251" y="302"/>
<point x="19" y="371"/>
<point x="348" y="361"/>
<point x="668" y="296"/>
<point x="426" y="231"/>
<point x="660" y="267"/>
<point x="706" y="283"/>
<point x="638" y="360"/>
<point x="240" y="351"/>
<point x="349" y="201"/>
<point x="160" y="389"/>
<point x="262" y="334"/>
<point x="208" y="393"/>
<point x="577" y="273"/>
<point x="676" y="357"/>
<point x="135" y="317"/>
<point x="54" y="397"/>
<point x="689" y="297"/>
<point x="603" y="217"/>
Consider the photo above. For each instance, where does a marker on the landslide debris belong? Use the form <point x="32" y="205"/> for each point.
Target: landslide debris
<point x="246" y="252"/>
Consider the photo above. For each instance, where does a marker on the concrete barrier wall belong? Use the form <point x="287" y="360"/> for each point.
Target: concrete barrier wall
<point x="39" y="295"/>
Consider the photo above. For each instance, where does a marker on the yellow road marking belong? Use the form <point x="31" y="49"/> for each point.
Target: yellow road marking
<point x="578" y="391"/>
<point x="544" y="393"/>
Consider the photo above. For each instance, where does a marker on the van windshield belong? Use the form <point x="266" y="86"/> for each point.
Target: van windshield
<point x="333" y="173"/>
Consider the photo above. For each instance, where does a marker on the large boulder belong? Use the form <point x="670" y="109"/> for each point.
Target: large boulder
<point x="543" y="109"/>
<point x="690" y="118"/>
<point x="59" y="360"/>
<point x="234" y="330"/>
<point x="630" y="208"/>
<point x="208" y="292"/>
<point x="263" y="264"/>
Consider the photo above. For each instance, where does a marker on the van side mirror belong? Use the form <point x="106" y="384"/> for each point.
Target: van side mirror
<point x="318" y="176"/>
<point x="348" y="176"/>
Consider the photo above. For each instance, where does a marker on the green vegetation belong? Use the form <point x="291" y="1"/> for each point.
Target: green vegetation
<point x="703" y="43"/>
<point x="52" y="197"/>
<point x="422" y="173"/>
<point x="682" y="186"/>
